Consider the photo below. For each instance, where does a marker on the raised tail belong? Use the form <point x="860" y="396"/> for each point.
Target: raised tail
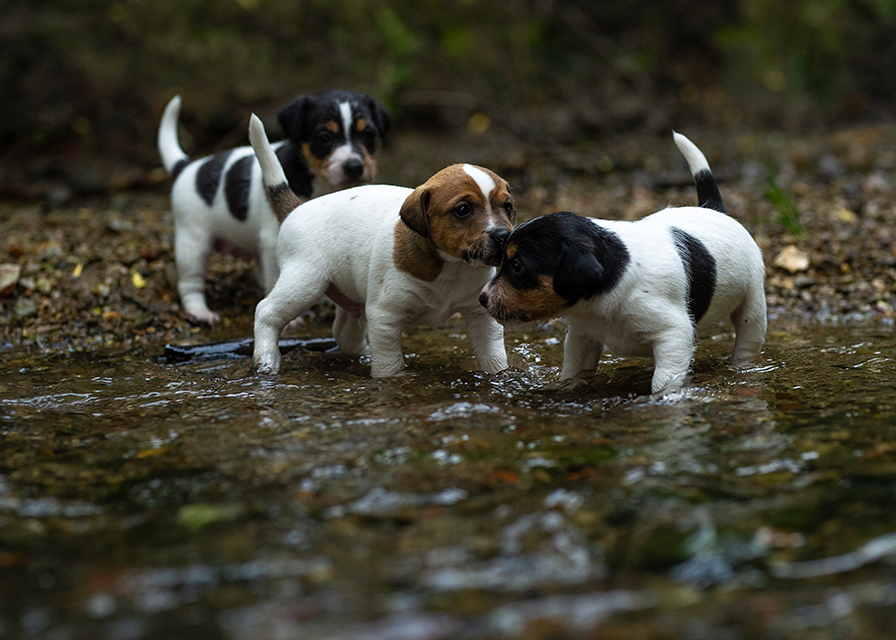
<point x="707" y="191"/>
<point x="283" y="199"/>
<point x="173" y="157"/>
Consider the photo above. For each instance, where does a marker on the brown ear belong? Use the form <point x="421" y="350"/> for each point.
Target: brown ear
<point x="413" y="211"/>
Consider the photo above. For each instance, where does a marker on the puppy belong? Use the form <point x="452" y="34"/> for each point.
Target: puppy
<point x="219" y="200"/>
<point x="640" y="288"/>
<point x="392" y="256"/>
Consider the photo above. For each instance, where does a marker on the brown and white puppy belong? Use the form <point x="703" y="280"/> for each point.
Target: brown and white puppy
<point x="642" y="288"/>
<point x="331" y="138"/>
<point x="391" y="256"/>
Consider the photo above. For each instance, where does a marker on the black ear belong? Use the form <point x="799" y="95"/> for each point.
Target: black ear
<point x="578" y="273"/>
<point x="291" y="117"/>
<point x="381" y="116"/>
<point x="413" y="211"/>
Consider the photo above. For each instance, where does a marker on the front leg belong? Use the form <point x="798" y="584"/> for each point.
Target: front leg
<point x="384" y="339"/>
<point x="487" y="338"/>
<point x="672" y="353"/>
<point x="581" y="352"/>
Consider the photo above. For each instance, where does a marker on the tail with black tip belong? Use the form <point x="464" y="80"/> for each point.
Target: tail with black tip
<point x="283" y="199"/>
<point x="707" y="191"/>
<point x="173" y="157"/>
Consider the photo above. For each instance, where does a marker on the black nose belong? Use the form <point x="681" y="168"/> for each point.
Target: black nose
<point x="499" y="237"/>
<point x="353" y="169"/>
<point x="483" y="299"/>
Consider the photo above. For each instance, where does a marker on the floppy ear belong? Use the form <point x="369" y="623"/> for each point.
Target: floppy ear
<point x="578" y="273"/>
<point x="291" y="117"/>
<point x="413" y="211"/>
<point x="381" y="116"/>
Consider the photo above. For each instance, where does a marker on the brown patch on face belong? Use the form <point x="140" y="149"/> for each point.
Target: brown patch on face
<point x="507" y="303"/>
<point x="319" y="166"/>
<point x="369" y="174"/>
<point x="361" y="124"/>
<point x="511" y="250"/>
<point x="415" y="255"/>
<point x="467" y="236"/>
<point x="333" y="126"/>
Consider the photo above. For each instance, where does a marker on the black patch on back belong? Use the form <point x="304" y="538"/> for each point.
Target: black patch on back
<point x="583" y="258"/>
<point x="208" y="177"/>
<point x="700" y="270"/>
<point x="178" y="167"/>
<point x="236" y="186"/>
<point x="708" y="194"/>
<point x="297" y="172"/>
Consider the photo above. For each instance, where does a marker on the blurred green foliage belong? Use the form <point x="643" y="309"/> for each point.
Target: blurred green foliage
<point x="822" y="48"/>
<point x="115" y="64"/>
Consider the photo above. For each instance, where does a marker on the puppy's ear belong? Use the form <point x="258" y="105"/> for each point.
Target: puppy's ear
<point x="578" y="272"/>
<point x="381" y="116"/>
<point x="413" y="211"/>
<point x="291" y="117"/>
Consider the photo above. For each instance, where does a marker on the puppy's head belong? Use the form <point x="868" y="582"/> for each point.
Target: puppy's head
<point x="466" y="211"/>
<point x="549" y="264"/>
<point x="337" y="132"/>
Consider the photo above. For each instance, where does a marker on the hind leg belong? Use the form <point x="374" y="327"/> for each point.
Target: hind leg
<point x="750" y="323"/>
<point x="192" y="248"/>
<point x="295" y="291"/>
<point x="350" y="333"/>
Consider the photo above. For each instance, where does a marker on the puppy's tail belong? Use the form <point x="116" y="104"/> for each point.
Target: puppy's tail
<point x="707" y="191"/>
<point x="283" y="199"/>
<point x="173" y="157"/>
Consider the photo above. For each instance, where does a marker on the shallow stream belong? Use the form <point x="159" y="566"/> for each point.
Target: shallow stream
<point x="144" y="499"/>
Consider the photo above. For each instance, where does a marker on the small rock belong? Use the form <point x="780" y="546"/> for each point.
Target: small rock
<point x="24" y="307"/>
<point x="9" y="276"/>
<point x="792" y="259"/>
<point x="44" y="285"/>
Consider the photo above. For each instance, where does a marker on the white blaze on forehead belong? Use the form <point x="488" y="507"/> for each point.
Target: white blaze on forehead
<point x="481" y="178"/>
<point x="346" y="110"/>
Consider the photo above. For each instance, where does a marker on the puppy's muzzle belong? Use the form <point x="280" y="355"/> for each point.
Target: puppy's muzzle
<point x="353" y="169"/>
<point x="498" y="240"/>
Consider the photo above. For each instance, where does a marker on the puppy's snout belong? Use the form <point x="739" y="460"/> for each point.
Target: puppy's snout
<point x="353" y="169"/>
<point x="483" y="299"/>
<point x="499" y="237"/>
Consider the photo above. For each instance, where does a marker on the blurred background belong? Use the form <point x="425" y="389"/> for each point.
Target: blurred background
<point x="85" y="81"/>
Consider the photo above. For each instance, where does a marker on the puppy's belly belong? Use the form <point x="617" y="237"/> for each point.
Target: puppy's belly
<point x="225" y="246"/>
<point x="629" y="346"/>
<point x="619" y="340"/>
<point x="431" y="317"/>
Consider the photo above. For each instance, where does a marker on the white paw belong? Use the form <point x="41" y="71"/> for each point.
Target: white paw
<point x="266" y="364"/>
<point x="204" y="315"/>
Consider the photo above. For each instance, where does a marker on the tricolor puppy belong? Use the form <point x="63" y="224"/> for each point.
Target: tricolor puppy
<point x="392" y="256"/>
<point x="640" y="288"/>
<point x="219" y="201"/>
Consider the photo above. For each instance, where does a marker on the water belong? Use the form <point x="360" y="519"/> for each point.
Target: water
<point x="148" y="500"/>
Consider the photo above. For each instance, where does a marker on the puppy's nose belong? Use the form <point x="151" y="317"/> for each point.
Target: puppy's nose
<point x="483" y="299"/>
<point x="353" y="169"/>
<point x="499" y="237"/>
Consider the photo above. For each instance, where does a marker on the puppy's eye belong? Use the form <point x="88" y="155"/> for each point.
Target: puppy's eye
<point x="515" y="267"/>
<point x="462" y="210"/>
<point x="324" y="137"/>
<point x="508" y="207"/>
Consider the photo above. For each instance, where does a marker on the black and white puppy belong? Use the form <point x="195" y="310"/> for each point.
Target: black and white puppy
<point x="641" y="288"/>
<point x="219" y="200"/>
